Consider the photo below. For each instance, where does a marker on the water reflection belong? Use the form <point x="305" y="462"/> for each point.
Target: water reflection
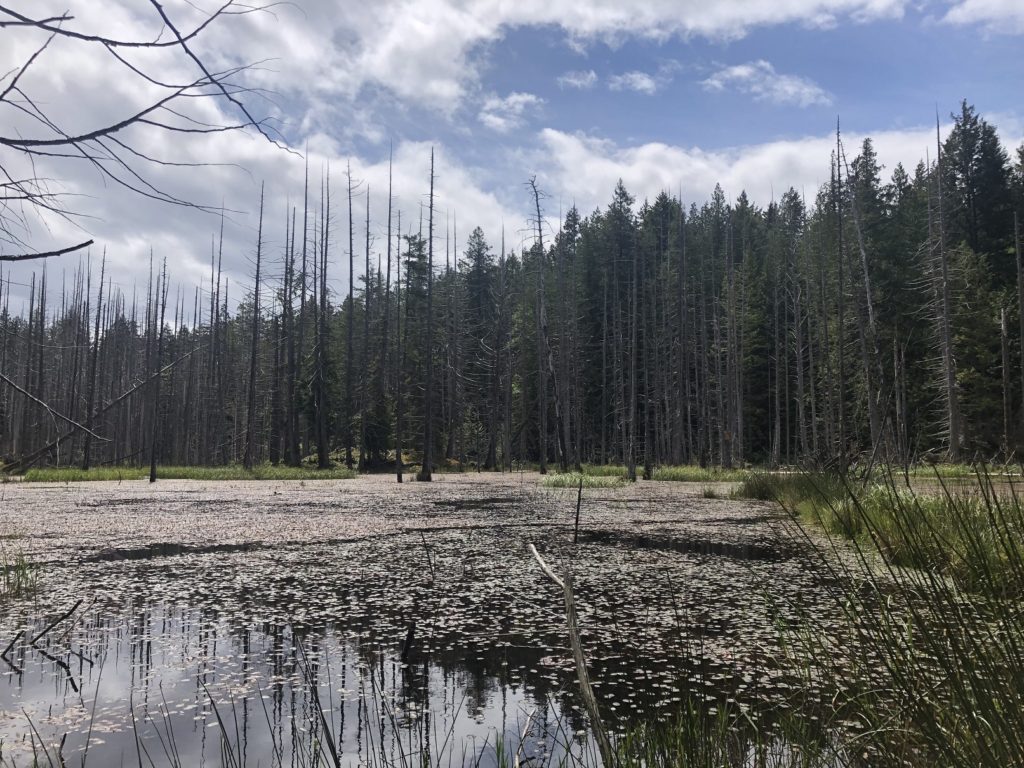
<point x="248" y="646"/>
<point x="174" y="687"/>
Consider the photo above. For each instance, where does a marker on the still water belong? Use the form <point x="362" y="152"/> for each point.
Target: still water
<point x="391" y="628"/>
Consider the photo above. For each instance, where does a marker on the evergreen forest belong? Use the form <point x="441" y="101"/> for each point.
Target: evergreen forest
<point x="874" y="320"/>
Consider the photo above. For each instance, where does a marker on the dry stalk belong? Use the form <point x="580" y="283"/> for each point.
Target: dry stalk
<point x="586" y="691"/>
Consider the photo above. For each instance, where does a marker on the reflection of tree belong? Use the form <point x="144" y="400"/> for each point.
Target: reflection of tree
<point x="180" y="95"/>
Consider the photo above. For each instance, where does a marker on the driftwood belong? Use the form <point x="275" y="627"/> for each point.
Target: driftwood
<point x="586" y="691"/>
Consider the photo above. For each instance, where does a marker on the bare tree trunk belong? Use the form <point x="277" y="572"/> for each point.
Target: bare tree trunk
<point x="401" y="340"/>
<point x="1020" y="306"/>
<point x="633" y="353"/>
<point x="385" y="353"/>
<point x="323" y="456"/>
<point x="91" y="396"/>
<point x="426" y="470"/>
<point x="948" y="359"/>
<point x="1004" y="338"/>
<point x="291" y="429"/>
<point x="365" y="378"/>
<point x="250" y="429"/>
<point x="155" y="444"/>
<point x="300" y="348"/>
<point x="841" y="300"/>
<point x="350" y="323"/>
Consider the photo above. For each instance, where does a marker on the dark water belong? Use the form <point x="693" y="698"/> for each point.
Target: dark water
<point x="447" y="642"/>
<point x="196" y="682"/>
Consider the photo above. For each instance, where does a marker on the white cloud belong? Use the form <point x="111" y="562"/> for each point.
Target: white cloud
<point x="504" y="114"/>
<point x="428" y="51"/>
<point x="760" y="80"/>
<point x="1004" y="16"/>
<point x="585" y="168"/>
<point x="641" y="82"/>
<point x="581" y="79"/>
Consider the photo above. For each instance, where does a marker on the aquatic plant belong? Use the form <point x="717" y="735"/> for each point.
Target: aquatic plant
<point x="19" y="576"/>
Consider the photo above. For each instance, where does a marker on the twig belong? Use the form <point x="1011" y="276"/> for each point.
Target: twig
<point x="522" y="738"/>
<point x="10" y="645"/>
<point x="7" y="650"/>
<point x="46" y="254"/>
<point x="586" y="691"/>
<point x="62" y="664"/>
<point x="56" y="621"/>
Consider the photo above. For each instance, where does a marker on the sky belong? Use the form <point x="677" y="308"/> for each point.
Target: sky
<point x="667" y="95"/>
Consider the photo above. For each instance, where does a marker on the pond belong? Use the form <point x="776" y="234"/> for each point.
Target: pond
<point x="364" y="622"/>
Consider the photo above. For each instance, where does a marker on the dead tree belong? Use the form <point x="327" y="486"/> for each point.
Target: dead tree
<point x="425" y="473"/>
<point x="946" y="313"/>
<point x="250" y="423"/>
<point x="161" y="298"/>
<point x="91" y="396"/>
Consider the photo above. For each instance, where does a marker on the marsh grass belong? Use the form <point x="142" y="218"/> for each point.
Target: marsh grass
<point x="693" y="474"/>
<point x="233" y="472"/>
<point x="573" y="479"/>
<point x="791" y="489"/>
<point x="725" y="736"/>
<point x="19" y="576"/>
<point x="930" y="656"/>
<point x="604" y="470"/>
<point x="686" y="473"/>
<point x="965" y="471"/>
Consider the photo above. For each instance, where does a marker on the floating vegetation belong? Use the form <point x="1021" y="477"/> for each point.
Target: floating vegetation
<point x="390" y="624"/>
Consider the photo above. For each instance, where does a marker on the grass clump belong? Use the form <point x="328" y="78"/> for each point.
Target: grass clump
<point x="689" y="473"/>
<point x="19" y="576"/>
<point x="573" y="479"/>
<point x="971" y="537"/>
<point x="604" y="470"/>
<point x="791" y="489"/>
<point x="232" y="472"/>
<point x="929" y="659"/>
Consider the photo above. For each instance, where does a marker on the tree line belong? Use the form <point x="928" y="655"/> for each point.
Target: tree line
<point x="878" y="322"/>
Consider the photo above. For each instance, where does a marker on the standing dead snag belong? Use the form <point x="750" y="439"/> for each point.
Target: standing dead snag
<point x="545" y="362"/>
<point x="250" y="430"/>
<point x="425" y="473"/>
<point x="586" y="690"/>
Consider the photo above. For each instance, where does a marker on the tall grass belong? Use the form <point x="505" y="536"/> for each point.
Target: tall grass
<point x="930" y="656"/>
<point x="791" y="489"/>
<point x="573" y="480"/>
<point x="689" y="473"/>
<point x="233" y="472"/>
<point x="19" y="577"/>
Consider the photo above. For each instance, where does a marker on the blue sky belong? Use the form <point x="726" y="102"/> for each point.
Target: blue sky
<point x="665" y="94"/>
